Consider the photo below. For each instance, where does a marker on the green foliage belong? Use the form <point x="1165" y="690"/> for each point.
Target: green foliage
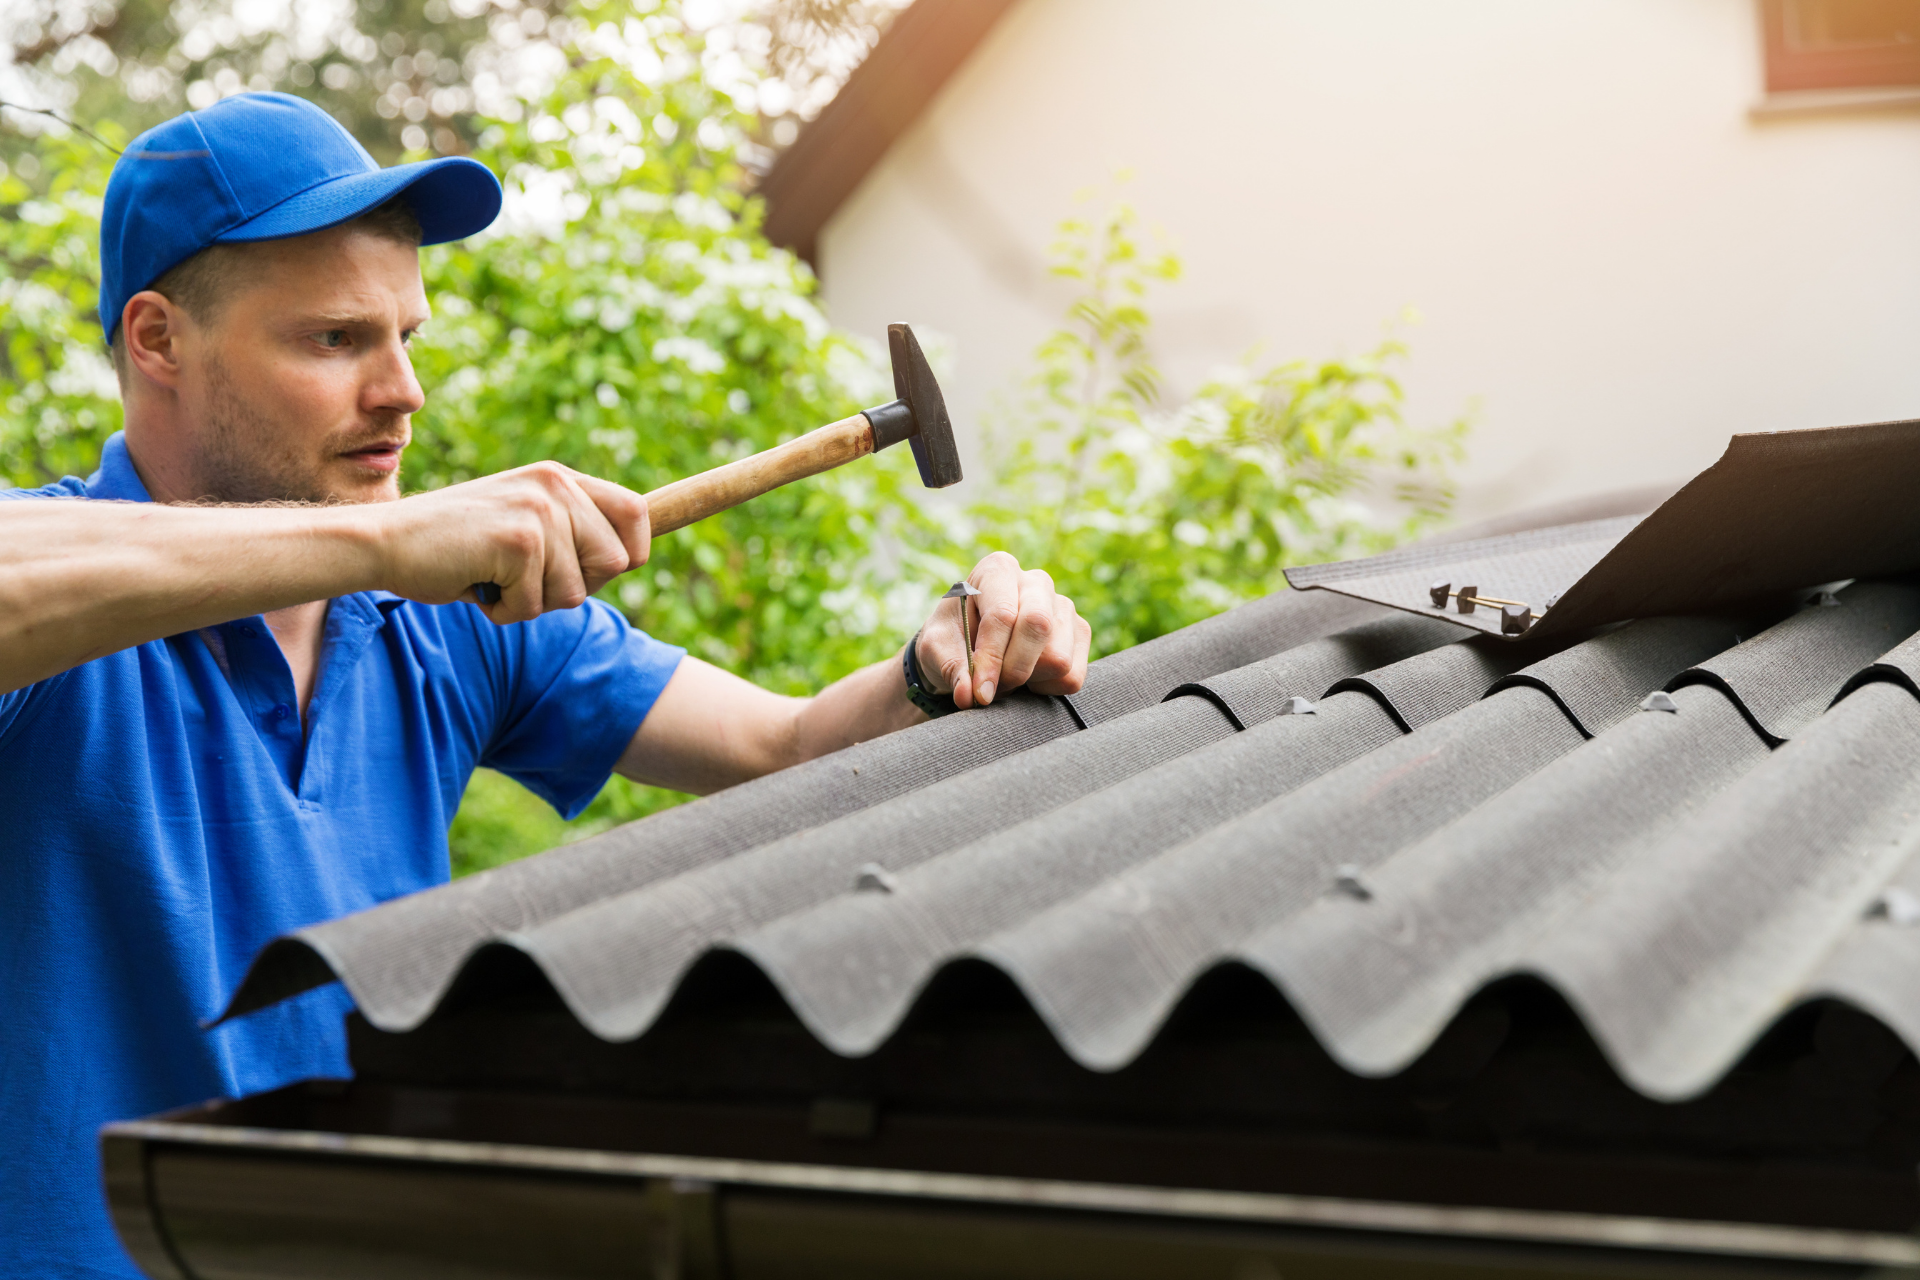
<point x="649" y="332"/>
<point x="632" y="323"/>
<point x="58" y="401"/>
<point x="381" y="67"/>
<point x="500" y="821"/>
<point x="1157" y="516"/>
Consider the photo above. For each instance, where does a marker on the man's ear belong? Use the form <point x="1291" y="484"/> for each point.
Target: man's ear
<point x="153" y="328"/>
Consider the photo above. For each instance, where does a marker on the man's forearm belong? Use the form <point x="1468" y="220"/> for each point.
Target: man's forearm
<point x="80" y="579"/>
<point x="710" y="729"/>
<point x="866" y="704"/>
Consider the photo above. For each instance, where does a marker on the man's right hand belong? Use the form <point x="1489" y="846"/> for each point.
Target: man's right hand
<point x="80" y="579"/>
<point x="547" y="535"/>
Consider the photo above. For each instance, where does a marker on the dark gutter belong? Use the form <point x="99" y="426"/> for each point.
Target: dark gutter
<point x="209" y="1190"/>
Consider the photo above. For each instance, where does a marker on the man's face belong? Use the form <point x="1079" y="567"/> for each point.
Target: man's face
<point x="301" y="388"/>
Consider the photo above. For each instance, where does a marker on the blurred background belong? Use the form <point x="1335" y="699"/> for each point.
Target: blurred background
<point x="1213" y="287"/>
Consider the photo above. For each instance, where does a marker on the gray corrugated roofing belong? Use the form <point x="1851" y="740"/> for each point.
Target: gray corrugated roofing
<point x="1436" y="815"/>
<point x="398" y="961"/>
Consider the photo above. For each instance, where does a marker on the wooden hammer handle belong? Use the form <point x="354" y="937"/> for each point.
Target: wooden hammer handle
<point x="677" y="505"/>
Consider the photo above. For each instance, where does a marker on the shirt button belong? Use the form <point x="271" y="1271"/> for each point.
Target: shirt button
<point x="282" y="711"/>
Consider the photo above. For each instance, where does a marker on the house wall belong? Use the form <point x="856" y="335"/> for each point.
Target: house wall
<point x="1613" y="257"/>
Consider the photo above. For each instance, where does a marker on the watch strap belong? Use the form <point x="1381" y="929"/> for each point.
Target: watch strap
<point x="934" y="704"/>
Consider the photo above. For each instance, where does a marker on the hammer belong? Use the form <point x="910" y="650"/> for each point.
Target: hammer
<point x="918" y="416"/>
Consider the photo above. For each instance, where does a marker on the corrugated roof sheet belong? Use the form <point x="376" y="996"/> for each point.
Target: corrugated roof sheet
<point x="1379" y="817"/>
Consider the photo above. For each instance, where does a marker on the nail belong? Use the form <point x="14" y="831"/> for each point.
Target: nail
<point x="986" y="692"/>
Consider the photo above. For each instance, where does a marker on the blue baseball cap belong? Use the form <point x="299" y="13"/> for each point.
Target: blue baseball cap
<point x="262" y="166"/>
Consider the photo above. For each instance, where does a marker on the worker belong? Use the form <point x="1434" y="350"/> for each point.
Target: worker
<point x="244" y="682"/>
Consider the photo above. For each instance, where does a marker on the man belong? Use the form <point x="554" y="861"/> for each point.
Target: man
<point x="243" y="684"/>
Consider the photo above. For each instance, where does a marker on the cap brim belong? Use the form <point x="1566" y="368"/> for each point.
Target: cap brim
<point x="452" y="197"/>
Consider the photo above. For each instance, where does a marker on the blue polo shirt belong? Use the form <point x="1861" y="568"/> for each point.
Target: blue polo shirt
<point x="162" y="816"/>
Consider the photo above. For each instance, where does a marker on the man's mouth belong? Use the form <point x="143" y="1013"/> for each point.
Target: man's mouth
<point x="381" y="455"/>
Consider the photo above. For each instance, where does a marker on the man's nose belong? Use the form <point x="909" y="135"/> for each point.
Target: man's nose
<point x="393" y="388"/>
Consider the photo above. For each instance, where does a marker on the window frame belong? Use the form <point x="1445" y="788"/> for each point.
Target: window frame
<point x="1792" y="70"/>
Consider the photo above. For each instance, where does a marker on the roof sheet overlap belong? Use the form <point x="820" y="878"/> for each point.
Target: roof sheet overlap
<point x="1788" y="675"/>
<point x="1761" y="519"/>
<point x="1379" y="818"/>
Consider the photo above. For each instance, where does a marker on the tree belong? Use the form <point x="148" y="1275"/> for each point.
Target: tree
<point x="400" y="74"/>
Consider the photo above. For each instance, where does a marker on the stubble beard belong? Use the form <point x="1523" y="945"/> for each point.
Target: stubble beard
<point x="246" y="458"/>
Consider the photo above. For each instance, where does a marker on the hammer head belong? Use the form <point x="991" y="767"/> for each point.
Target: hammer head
<point x="932" y="437"/>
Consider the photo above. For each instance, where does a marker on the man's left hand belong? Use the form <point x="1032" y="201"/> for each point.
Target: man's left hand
<point x="1024" y="633"/>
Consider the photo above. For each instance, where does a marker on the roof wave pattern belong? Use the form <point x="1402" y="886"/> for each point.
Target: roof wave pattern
<point x="1686" y="825"/>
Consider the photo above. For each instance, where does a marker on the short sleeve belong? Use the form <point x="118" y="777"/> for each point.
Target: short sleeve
<point x="71" y="487"/>
<point x="15" y="706"/>
<point x="583" y="680"/>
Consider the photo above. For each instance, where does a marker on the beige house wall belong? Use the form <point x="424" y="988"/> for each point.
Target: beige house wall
<point x="1613" y="256"/>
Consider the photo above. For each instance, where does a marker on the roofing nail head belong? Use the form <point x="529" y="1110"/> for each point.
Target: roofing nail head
<point x="1298" y="707"/>
<point x="873" y="878"/>
<point x="1659" y="700"/>
<point x="1347" y="880"/>
<point x="1823" y="600"/>
<point x="1897" y="906"/>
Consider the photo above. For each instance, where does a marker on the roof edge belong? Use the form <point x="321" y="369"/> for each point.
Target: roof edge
<point x="883" y="98"/>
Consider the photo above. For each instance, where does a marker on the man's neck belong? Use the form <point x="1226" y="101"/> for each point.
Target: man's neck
<point x="299" y="630"/>
<point x="174" y="483"/>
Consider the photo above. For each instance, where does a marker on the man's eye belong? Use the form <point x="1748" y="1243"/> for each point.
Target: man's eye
<point x="331" y="338"/>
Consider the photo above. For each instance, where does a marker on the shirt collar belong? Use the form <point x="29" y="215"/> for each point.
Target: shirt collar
<point x="116" y="478"/>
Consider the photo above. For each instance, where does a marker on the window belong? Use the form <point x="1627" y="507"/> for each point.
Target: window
<point x="1841" y="44"/>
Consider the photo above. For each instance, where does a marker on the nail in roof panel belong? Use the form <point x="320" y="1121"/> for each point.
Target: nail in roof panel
<point x="398" y="959"/>
<point x="616" y="961"/>
<point x="1106" y="972"/>
<point x="1726" y="922"/>
<point x="1792" y="674"/>
<point x="1447" y="814"/>
<point x="1469" y="904"/>
<point x="851" y="966"/>
<point x="1379" y="979"/>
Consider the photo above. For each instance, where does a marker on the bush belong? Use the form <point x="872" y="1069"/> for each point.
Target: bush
<point x="629" y="320"/>
<point x="1157" y="516"/>
<point x="58" y="399"/>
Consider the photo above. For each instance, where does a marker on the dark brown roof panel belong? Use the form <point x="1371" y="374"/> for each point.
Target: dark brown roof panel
<point x="1779" y="511"/>
<point x="832" y="156"/>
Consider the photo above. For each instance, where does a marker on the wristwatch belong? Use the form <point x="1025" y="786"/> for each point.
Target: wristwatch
<point x="934" y="704"/>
